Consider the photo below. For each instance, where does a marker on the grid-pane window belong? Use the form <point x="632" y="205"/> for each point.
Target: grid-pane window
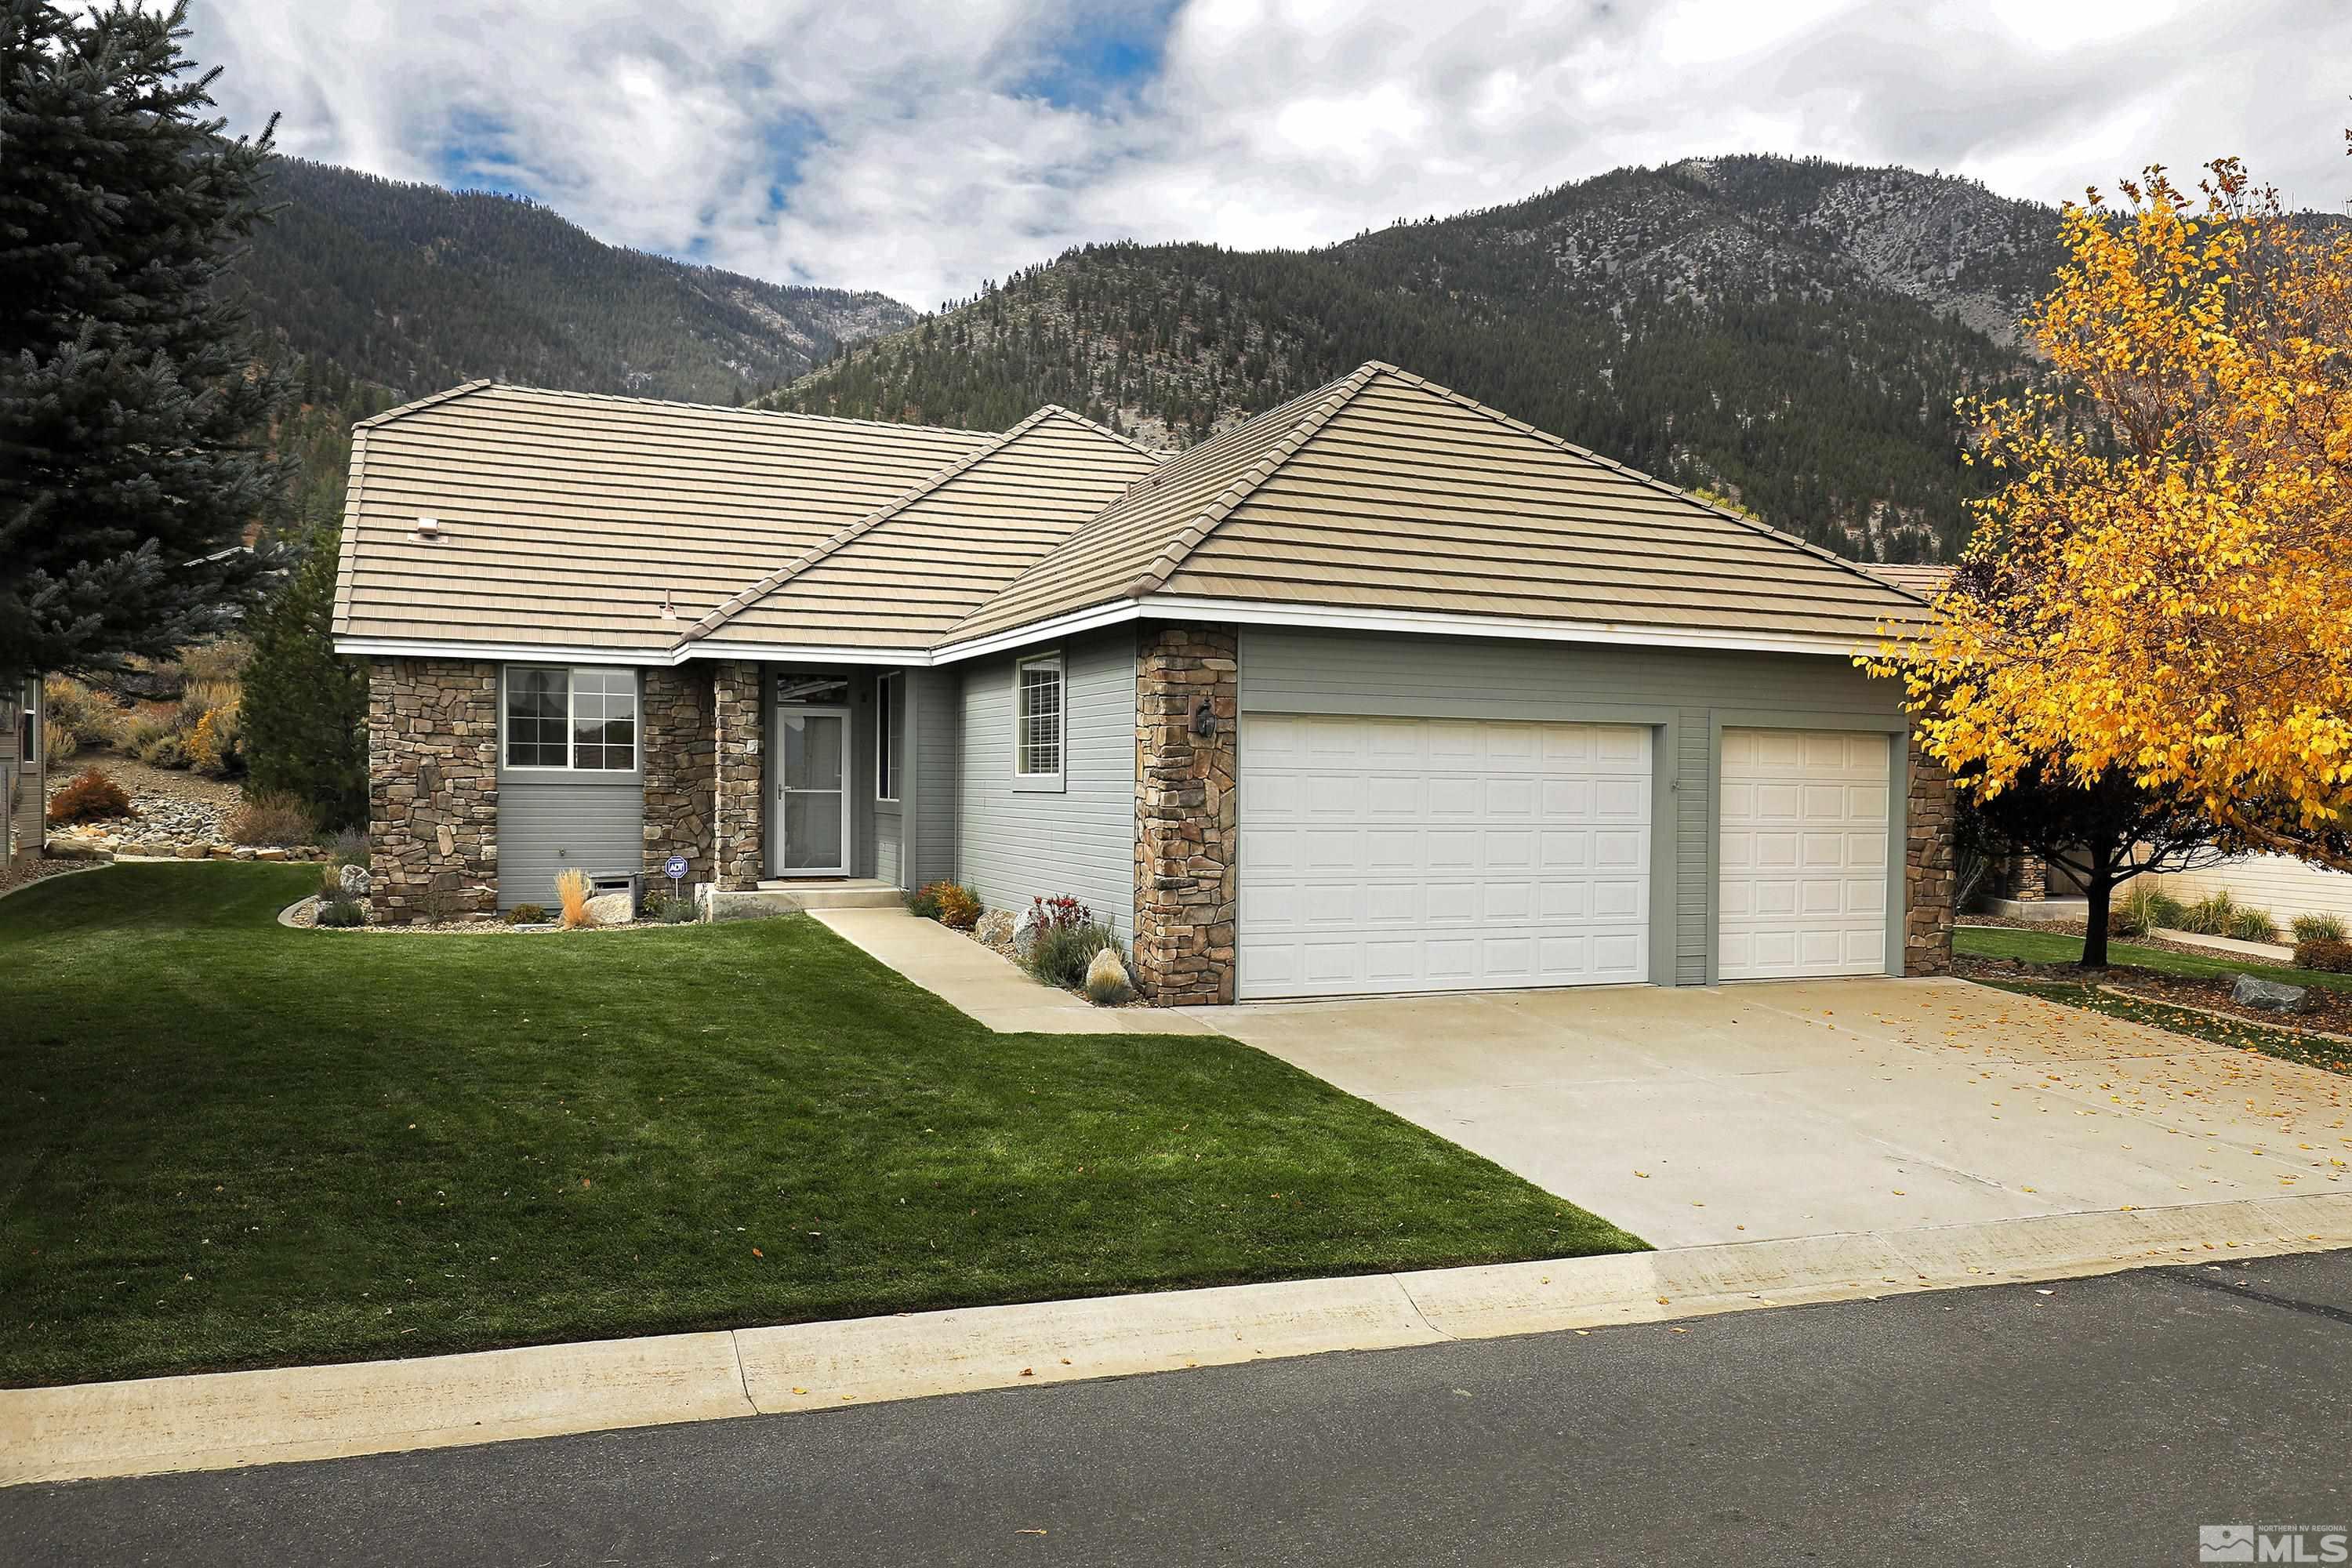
<point x="537" y="702"/>
<point x="886" y="738"/>
<point x="572" y="718"/>
<point x="1038" y="741"/>
<point x="603" y="719"/>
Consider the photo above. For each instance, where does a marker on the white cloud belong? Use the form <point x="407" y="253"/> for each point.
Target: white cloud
<point x="919" y="148"/>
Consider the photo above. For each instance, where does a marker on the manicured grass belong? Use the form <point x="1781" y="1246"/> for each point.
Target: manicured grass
<point x="224" y="1144"/>
<point x="2056" y="947"/>
<point x="2287" y="1044"/>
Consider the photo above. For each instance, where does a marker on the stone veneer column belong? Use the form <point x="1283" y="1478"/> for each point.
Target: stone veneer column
<point x="678" y="757"/>
<point x="1928" y="879"/>
<point x="740" y="834"/>
<point x="433" y="787"/>
<point x="1186" y="826"/>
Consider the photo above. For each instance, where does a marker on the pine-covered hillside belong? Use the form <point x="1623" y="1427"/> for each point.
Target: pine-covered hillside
<point x="415" y="288"/>
<point x="1789" y="334"/>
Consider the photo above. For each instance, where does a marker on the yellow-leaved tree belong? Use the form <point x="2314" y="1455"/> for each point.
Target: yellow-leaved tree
<point x="2159" y="593"/>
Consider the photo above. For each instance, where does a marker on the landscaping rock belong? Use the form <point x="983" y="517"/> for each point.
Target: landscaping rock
<point x="611" y="909"/>
<point x="996" y="928"/>
<point x="353" y="880"/>
<point x="2268" y="995"/>
<point x="1106" y="982"/>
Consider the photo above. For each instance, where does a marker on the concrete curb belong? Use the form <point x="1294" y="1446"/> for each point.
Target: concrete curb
<point x="225" y="1420"/>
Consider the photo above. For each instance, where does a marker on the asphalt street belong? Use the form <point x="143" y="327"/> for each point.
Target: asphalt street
<point x="2090" y="1422"/>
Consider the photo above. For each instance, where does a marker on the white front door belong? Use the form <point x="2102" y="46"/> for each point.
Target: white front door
<point x="1805" y="823"/>
<point x="1389" y="855"/>
<point x="813" y="791"/>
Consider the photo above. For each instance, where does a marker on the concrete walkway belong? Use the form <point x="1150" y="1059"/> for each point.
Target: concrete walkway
<point x="977" y="980"/>
<point x="1694" y="1115"/>
<point x="233" y="1419"/>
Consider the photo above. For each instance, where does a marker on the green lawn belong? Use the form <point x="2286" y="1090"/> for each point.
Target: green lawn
<point x="2056" y="947"/>
<point x="224" y="1144"/>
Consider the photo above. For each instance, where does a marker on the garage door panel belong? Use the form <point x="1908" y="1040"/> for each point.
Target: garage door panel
<point x="1506" y="855"/>
<point x="1803" y="854"/>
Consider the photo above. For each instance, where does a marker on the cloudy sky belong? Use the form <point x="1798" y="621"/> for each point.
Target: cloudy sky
<point x="919" y="148"/>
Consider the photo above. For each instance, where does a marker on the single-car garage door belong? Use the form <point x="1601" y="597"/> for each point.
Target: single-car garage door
<point x="1804" y="853"/>
<point x="1435" y="854"/>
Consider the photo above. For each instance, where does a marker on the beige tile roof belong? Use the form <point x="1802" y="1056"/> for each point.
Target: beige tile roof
<point x="1386" y="492"/>
<point x="1925" y="581"/>
<point x="567" y="518"/>
<point x="903" y="576"/>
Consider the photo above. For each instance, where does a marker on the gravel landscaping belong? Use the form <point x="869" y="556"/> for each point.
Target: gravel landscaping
<point x="175" y="816"/>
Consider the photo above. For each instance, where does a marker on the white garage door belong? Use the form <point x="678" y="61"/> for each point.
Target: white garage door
<point x="1437" y="855"/>
<point x="1804" y="853"/>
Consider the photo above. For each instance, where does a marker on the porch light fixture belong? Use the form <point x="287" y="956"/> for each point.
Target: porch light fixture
<point x="1204" y="718"/>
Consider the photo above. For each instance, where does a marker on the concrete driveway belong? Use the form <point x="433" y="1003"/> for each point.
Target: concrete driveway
<point x="1804" y="1108"/>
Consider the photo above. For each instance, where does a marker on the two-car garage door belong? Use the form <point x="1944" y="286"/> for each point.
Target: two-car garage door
<point x="1382" y="854"/>
<point x="1398" y="854"/>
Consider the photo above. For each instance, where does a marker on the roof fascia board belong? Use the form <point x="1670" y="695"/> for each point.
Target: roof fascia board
<point x="1181" y="607"/>
<point x="808" y="653"/>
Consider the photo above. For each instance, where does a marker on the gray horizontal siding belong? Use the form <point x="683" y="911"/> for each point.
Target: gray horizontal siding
<point x="1686" y="695"/>
<point x="1016" y="845"/>
<point x="936" y="732"/>
<point x="546" y="828"/>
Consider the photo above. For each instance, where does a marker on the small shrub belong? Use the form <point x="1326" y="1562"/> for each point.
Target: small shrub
<point x="1062" y="913"/>
<point x="89" y="797"/>
<point x="573" y="890"/>
<point x="349" y="848"/>
<point x="266" y="817"/>
<point x="75" y="710"/>
<point x="527" y="915"/>
<point x="58" y="745"/>
<point x="949" y="903"/>
<point x="2141" y="909"/>
<point x="2251" y="925"/>
<point x="2325" y="954"/>
<point x="168" y="750"/>
<point x="1060" y="954"/>
<point x="339" y="912"/>
<point x="215" y="746"/>
<point x="2208" y="916"/>
<point x="669" y="909"/>
<point x="215" y="663"/>
<point x="2318" y="928"/>
<point x="136" y="731"/>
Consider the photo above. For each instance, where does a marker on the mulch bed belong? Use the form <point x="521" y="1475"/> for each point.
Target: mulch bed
<point x="30" y="870"/>
<point x="2324" y="1008"/>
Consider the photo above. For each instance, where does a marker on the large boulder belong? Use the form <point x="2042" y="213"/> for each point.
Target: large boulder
<point x="353" y="880"/>
<point x="2270" y="995"/>
<point x="611" y="909"/>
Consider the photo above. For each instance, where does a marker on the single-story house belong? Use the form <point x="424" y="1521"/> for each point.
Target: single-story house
<point x="1381" y="691"/>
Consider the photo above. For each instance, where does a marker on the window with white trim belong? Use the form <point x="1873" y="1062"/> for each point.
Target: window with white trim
<point x="576" y="720"/>
<point x="886" y="738"/>
<point x="1037" y="721"/>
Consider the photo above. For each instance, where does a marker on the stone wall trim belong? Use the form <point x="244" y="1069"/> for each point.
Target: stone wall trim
<point x="433" y="788"/>
<point x="1187" y="826"/>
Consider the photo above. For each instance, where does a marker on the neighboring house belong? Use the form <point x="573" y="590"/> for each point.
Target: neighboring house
<point x="1382" y="690"/>
<point x="2282" y="885"/>
<point x="1927" y="580"/>
<point x="23" y="779"/>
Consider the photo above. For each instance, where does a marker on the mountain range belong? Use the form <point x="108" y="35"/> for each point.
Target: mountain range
<point x="1787" y="335"/>
<point x="415" y="288"/>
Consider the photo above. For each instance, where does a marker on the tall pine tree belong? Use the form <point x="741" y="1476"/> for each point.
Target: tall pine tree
<point x="133" y="416"/>
<point x="305" y="706"/>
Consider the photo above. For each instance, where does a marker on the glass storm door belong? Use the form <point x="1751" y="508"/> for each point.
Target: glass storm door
<point x="813" y="791"/>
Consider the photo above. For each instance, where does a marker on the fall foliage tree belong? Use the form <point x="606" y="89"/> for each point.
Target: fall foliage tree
<point x="2159" y="591"/>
